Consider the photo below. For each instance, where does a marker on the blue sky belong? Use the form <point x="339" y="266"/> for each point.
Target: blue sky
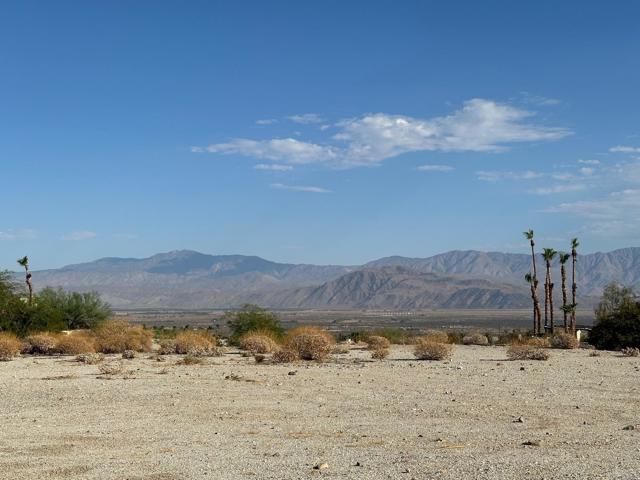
<point x="319" y="132"/>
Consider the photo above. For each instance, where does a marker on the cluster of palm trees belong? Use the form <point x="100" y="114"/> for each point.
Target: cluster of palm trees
<point x="568" y="308"/>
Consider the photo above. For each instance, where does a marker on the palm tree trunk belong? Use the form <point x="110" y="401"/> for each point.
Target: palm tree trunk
<point x="536" y="306"/>
<point x="27" y="274"/>
<point x="574" y="288"/>
<point x="546" y="300"/>
<point x="551" y="323"/>
<point x="563" y="273"/>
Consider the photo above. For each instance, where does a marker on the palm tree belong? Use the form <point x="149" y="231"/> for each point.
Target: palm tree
<point x="563" y="257"/>
<point x="574" y="286"/>
<point x="533" y="282"/>
<point x="548" y="254"/>
<point x="536" y="304"/>
<point x="24" y="262"/>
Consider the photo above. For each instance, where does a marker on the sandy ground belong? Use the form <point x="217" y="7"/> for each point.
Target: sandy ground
<point x="392" y="419"/>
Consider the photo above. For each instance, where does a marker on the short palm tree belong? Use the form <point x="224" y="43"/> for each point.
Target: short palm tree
<point x="574" y="286"/>
<point x="548" y="254"/>
<point x="534" y="283"/>
<point x="564" y="257"/>
<point x="24" y="262"/>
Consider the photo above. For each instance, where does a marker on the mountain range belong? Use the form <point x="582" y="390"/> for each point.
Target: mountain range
<point x="456" y="279"/>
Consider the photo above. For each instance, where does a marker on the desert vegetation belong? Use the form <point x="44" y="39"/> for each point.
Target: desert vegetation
<point x="427" y="348"/>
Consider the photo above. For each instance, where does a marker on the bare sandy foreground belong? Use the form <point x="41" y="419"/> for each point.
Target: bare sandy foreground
<point x="392" y="419"/>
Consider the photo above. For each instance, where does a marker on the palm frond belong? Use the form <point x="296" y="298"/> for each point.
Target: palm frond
<point x="24" y="261"/>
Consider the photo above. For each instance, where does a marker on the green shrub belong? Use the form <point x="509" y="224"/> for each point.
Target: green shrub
<point x="617" y="322"/>
<point x="250" y="318"/>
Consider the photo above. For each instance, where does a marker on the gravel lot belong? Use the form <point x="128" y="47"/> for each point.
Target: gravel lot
<point x="358" y="419"/>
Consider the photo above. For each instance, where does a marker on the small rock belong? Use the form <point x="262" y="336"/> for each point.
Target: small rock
<point x="629" y="427"/>
<point x="519" y="420"/>
<point x="531" y="443"/>
<point x="358" y="464"/>
<point x="292" y="372"/>
<point x="321" y="466"/>
<point x="521" y="368"/>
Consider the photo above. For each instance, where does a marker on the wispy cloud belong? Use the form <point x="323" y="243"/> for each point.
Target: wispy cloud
<point x="538" y="100"/>
<point x="435" y="168"/>
<point x="306" y="118"/>
<point x="20" y="234"/>
<point x="479" y="126"/>
<point x="275" y="167"/>
<point x="616" y="213"/>
<point x="266" y="121"/>
<point x="624" y="149"/>
<point x="79" y="235"/>
<point x="495" y="176"/>
<point x="589" y="162"/>
<point x="566" y="188"/>
<point x="299" y="188"/>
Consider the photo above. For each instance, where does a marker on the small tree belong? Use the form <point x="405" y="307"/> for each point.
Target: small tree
<point x="617" y="319"/>
<point x="251" y="318"/>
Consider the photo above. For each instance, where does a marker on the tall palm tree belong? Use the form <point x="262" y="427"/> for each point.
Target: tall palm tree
<point x="536" y="304"/>
<point x="533" y="282"/>
<point x="24" y="262"/>
<point x="548" y="254"/>
<point x="563" y="257"/>
<point x="574" y="286"/>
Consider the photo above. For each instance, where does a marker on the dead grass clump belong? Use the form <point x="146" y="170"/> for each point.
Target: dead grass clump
<point x="76" y="343"/>
<point x="527" y="352"/>
<point x="475" y="339"/>
<point x="427" y="349"/>
<point x="285" y="355"/>
<point x="311" y="331"/>
<point x="341" y="349"/>
<point x="111" y="368"/>
<point x="258" y="343"/>
<point x="380" y="353"/>
<point x="10" y="346"/>
<point x="190" y="360"/>
<point x="196" y="344"/>
<point x="90" y="358"/>
<point x="539" y="342"/>
<point x="436" y="336"/>
<point x="630" y="352"/>
<point x="565" y="341"/>
<point x="376" y="342"/>
<point x="167" y="347"/>
<point x="116" y="336"/>
<point x="309" y="346"/>
<point x="43" y="343"/>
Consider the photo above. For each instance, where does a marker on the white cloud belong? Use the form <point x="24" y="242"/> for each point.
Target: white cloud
<point x="617" y="213"/>
<point x="494" y="176"/>
<point x="624" y="149"/>
<point x="587" y="171"/>
<point x="435" y="168"/>
<point x="79" y="235"/>
<point x="479" y="126"/>
<point x="299" y="188"/>
<point x="589" y="162"/>
<point x="306" y="118"/>
<point x="274" y="167"/>
<point x="266" y="121"/>
<point x="22" y="234"/>
<point x="570" y="187"/>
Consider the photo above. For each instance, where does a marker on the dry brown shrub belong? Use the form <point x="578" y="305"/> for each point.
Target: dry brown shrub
<point x="285" y="355"/>
<point x="116" y="336"/>
<point x="427" y="349"/>
<point x="540" y="342"/>
<point x="527" y="352"/>
<point x="258" y="343"/>
<point x="196" y="343"/>
<point x="111" y="368"/>
<point x="310" y="331"/>
<point x="376" y="342"/>
<point x="630" y="351"/>
<point x="10" y="346"/>
<point x="167" y="347"/>
<point x="475" y="339"/>
<point x="43" y="343"/>
<point x="76" y="343"/>
<point x="380" y="353"/>
<point x="90" y="358"/>
<point x="565" y="341"/>
<point x="436" y="336"/>
<point x="309" y="346"/>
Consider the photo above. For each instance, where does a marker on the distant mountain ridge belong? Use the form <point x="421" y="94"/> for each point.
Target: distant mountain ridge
<point x="456" y="279"/>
